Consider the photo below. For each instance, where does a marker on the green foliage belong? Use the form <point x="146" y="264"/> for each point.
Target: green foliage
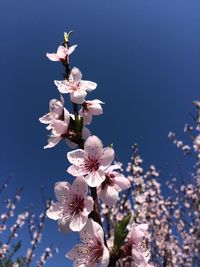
<point x="120" y="233"/>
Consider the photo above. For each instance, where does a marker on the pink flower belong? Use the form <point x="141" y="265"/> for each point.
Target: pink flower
<point x="62" y="53"/>
<point x="89" y="109"/>
<point x="73" y="206"/>
<point x="75" y="86"/>
<point x="112" y="185"/>
<point x="56" y="112"/>
<point x="59" y="128"/>
<point x="91" y="162"/>
<point x="137" y="233"/>
<point x="92" y="250"/>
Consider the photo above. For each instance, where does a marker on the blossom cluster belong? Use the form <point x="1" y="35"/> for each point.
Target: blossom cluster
<point x="12" y="223"/>
<point x="97" y="178"/>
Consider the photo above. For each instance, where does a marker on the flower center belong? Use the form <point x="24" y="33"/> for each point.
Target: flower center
<point x="74" y="86"/>
<point x="76" y="205"/>
<point x="91" y="165"/>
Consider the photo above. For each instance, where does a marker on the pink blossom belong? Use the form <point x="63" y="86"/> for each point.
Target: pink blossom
<point x="62" y="53"/>
<point x="58" y="129"/>
<point x="91" y="162"/>
<point x="75" y="86"/>
<point x="56" y="110"/>
<point x="89" y="109"/>
<point x="92" y="250"/>
<point x="114" y="183"/>
<point x="73" y="206"/>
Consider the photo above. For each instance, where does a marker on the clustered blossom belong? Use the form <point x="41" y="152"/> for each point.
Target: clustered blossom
<point x="91" y="166"/>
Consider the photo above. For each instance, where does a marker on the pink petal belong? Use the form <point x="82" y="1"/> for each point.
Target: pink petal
<point x="75" y="75"/>
<point x="78" y="96"/>
<point x="88" y="85"/>
<point x="46" y="119"/>
<point x="87" y="118"/>
<point x="53" y="57"/>
<point x="88" y="205"/>
<point x="105" y="257"/>
<point x="71" y="49"/>
<point x="122" y="182"/>
<point x="62" y="190"/>
<point x="54" y="212"/>
<point x="53" y="141"/>
<point x="76" y="171"/>
<point x="86" y="133"/>
<point x="93" y="147"/>
<point x="79" y="186"/>
<point x="92" y="228"/>
<point x="107" y="157"/>
<point x="59" y="127"/>
<point x="63" y="86"/>
<point x="94" y="179"/>
<point x="109" y="195"/>
<point x="62" y="52"/>
<point x="78" y="222"/>
<point x="76" y="157"/>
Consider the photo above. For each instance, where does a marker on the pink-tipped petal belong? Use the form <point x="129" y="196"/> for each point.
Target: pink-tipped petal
<point x="63" y="86"/>
<point x="62" y="52"/>
<point x="78" y="96"/>
<point x="76" y="171"/>
<point x="75" y="75"/>
<point x="105" y="257"/>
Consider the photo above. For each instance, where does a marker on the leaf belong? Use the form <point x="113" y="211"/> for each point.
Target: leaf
<point x="120" y="233"/>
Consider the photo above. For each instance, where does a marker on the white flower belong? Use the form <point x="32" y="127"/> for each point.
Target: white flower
<point x="73" y="206"/>
<point x="75" y="86"/>
<point x="92" y="250"/>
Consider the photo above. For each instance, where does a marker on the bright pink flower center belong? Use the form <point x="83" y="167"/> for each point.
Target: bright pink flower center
<point x="91" y="165"/>
<point x="76" y="205"/>
<point x="74" y="86"/>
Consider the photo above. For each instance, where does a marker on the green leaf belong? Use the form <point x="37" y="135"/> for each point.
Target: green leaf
<point x="120" y="233"/>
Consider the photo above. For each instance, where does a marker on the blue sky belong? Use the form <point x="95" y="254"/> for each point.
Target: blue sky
<point x="144" y="56"/>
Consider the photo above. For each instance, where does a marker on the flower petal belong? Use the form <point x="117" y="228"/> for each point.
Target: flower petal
<point x="77" y="222"/>
<point x="62" y="52"/>
<point x="88" y="85"/>
<point x="122" y="182"/>
<point x="78" y="96"/>
<point x="105" y="257"/>
<point x="55" y="211"/>
<point x="71" y="49"/>
<point x="92" y="228"/>
<point x="75" y="75"/>
<point x="94" y="179"/>
<point x="107" y="156"/>
<point x="88" y="205"/>
<point x="52" y="56"/>
<point x="93" y="147"/>
<point x="109" y="195"/>
<point x="76" y="171"/>
<point x="62" y="190"/>
<point x="79" y="186"/>
<point x="76" y="157"/>
<point x="53" y="141"/>
<point x="63" y="86"/>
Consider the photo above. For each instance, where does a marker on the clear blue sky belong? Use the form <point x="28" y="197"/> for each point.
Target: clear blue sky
<point x="145" y="57"/>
